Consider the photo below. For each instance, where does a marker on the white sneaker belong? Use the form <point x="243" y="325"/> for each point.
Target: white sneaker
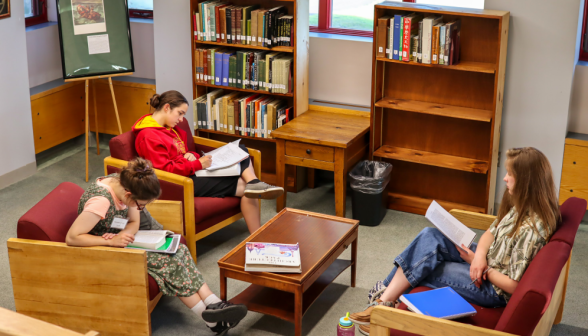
<point x="262" y="190"/>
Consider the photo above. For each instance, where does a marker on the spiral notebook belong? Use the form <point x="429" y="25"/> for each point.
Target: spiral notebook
<point x="443" y="303"/>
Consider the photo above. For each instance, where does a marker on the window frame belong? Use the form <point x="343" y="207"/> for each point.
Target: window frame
<point x="325" y="15"/>
<point x="583" y="54"/>
<point x="40" y="9"/>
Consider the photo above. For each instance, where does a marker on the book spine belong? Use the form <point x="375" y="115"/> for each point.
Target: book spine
<point x="435" y="45"/>
<point x="442" y="45"/>
<point x="228" y="25"/>
<point x="217" y="23"/>
<point x="391" y="39"/>
<point x="381" y="37"/>
<point x="226" y="69"/>
<point x="396" y="38"/>
<point x="239" y="69"/>
<point x="400" y="37"/>
<point x="254" y="17"/>
<point x="456" y="49"/>
<point x="420" y="46"/>
<point x="406" y="39"/>
<point x="414" y="44"/>
<point x="218" y="68"/>
<point x="427" y="32"/>
<point x="270" y="79"/>
<point x="206" y="61"/>
<point x="238" y="24"/>
<point x="195" y="22"/>
<point x="448" y="28"/>
<point x="232" y="66"/>
<point x="233" y="25"/>
<point x="260" y="16"/>
<point x="211" y="23"/>
<point x="248" y="32"/>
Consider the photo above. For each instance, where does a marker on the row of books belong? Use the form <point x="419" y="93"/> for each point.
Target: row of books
<point x="414" y="38"/>
<point x="254" y="70"/>
<point x="241" y="113"/>
<point x="218" y="21"/>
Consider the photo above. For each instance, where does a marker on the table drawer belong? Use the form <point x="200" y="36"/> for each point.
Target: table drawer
<point x="308" y="151"/>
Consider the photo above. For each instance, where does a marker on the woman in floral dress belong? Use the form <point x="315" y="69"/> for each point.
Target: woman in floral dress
<point x="109" y="216"/>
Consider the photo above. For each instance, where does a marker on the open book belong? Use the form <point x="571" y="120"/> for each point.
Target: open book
<point x="234" y="170"/>
<point x="161" y="241"/>
<point x="453" y="229"/>
<point x="227" y="156"/>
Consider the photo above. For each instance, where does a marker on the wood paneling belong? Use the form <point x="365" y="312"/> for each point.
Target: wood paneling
<point x="58" y="115"/>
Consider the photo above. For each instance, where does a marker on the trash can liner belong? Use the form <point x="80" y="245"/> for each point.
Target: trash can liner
<point x="370" y="177"/>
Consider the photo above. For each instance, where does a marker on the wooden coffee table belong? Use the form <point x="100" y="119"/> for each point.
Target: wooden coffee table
<point x="288" y="296"/>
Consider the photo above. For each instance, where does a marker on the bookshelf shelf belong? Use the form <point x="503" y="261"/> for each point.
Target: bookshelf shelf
<point x="236" y="135"/>
<point x="482" y="67"/>
<point x="421" y="110"/>
<point x="419" y="205"/>
<point x="436" y="109"/>
<point x="247" y="46"/>
<point x="298" y="99"/>
<point x="432" y="159"/>
<point x="245" y="90"/>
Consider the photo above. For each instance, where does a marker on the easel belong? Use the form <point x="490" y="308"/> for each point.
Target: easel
<point x="87" y="118"/>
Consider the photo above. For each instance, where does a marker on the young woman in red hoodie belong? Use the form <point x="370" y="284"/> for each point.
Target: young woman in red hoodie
<point x="160" y="140"/>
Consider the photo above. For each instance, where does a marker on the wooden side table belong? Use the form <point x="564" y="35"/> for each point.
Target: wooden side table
<point x="322" y="140"/>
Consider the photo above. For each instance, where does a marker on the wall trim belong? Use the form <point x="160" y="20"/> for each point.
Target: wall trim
<point x="18" y="175"/>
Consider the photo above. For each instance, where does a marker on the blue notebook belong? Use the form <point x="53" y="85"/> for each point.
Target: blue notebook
<point x="443" y="303"/>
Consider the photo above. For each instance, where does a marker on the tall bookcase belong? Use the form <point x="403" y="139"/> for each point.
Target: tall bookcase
<point x="299" y="98"/>
<point x="439" y="125"/>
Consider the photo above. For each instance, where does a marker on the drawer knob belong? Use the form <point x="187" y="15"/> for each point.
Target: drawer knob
<point x="574" y="162"/>
<point x="308" y="151"/>
<point x="571" y="190"/>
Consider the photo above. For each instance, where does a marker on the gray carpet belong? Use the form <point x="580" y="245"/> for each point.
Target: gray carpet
<point x="377" y="248"/>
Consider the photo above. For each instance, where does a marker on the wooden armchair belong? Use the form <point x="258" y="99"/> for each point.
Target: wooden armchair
<point x="202" y="215"/>
<point x="535" y="306"/>
<point x="82" y="288"/>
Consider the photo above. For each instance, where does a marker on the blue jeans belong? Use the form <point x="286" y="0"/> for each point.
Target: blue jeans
<point x="433" y="261"/>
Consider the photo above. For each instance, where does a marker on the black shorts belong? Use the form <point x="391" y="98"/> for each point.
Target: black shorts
<point x="225" y="186"/>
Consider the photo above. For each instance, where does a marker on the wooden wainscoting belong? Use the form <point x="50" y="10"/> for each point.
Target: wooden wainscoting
<point x="58" y="114"/>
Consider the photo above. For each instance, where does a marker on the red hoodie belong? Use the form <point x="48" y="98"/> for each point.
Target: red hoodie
<point x="164" y="147"/>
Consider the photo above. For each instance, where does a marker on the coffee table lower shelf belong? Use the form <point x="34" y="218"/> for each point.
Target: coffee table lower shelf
<point x="280" y="304"/>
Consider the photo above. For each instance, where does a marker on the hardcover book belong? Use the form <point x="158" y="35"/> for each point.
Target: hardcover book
<point x="272" y="257"/>
<point x="443" y="303"/>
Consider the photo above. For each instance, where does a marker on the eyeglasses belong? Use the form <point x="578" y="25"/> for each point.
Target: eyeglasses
<point x="141" y="207"/>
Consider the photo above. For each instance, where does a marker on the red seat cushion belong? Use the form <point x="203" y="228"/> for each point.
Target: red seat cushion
<point x="51" y="218"/>
<point x="485" y="317"/>
<point x="153" y="287"/>
<point x="209" y="211"/>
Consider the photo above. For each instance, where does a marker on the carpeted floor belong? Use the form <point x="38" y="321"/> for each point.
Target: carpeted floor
<point x="377" y="247"/>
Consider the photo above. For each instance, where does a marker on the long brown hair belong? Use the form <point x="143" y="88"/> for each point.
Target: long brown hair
<point x="139" y="178"/>
<point x="534" y="189"/>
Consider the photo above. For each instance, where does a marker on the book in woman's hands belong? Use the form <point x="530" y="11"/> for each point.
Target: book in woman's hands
<point x="272" y="257"/>
<point x="160" y="241"/>
<point x="453" y="229"/>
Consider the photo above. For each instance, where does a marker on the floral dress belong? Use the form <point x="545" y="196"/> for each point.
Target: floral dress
<point x="175" y="274"/>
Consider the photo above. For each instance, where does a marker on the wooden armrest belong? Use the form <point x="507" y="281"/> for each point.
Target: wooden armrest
<point x="384" y="318"/>
<point x="208" y="142"/>
<point x="473" y="220"/>
<point x="169" y="214"/>
<point x="15" y="324"/>
<point x="80" y="288"/>
<point x="161" y="174"/>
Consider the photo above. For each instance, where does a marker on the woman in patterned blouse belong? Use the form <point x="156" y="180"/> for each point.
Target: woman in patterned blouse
<point x="526" y="220"/>
<point x="108" y="215"/>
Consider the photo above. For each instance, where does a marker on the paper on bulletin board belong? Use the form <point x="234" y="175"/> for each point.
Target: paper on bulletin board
<point x="98" y="44"/>
<point x="88" y="16"/>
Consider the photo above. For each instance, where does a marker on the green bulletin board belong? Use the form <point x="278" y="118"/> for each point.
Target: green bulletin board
<point x="95" y="38"/>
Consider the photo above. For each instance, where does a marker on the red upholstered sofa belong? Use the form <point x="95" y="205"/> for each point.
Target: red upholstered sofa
<point x="535" y="306"/>
<point x="202" y="215"/>
<point x="91" y="288"/>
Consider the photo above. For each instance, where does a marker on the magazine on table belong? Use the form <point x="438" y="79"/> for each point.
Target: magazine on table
<point x="452" y="228"/>
<point x="272" y="257"/>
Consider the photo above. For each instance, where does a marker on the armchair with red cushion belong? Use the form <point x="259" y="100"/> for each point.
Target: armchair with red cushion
<point x="535" y="306"/>
<point x="106" y="289"/>
<point x="202" y="215"/>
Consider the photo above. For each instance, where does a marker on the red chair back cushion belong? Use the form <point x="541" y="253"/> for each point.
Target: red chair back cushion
<point x="122" y="146"/>
<point x="572" y="211"/>
<point x="51" y="218"/>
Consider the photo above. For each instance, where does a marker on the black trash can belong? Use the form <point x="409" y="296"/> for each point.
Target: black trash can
<point x="368" y="181"/>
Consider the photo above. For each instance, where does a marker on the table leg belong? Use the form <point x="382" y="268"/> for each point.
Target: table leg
<point x="353" y="262"/>
<point x="281" y="173"/>
<point x="310" y="177"/>
<point x="340" y="182"/>
<point x="298" y="312"/>
<point x="223" y="285"/>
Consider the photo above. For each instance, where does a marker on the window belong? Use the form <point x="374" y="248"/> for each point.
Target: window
<point x="141" y="9"/>
<point x="356" y="17"/>
<point x="35" y="12"/>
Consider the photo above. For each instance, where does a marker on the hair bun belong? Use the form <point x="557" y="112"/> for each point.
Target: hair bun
<point x="154" y="101"/>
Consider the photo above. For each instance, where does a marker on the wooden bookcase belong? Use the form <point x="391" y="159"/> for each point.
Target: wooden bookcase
<point x="439" y="125"/>
<point x="299" y="98"/>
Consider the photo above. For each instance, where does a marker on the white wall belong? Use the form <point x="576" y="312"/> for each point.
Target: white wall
<point x="44" y="57"/>
<point x="173" y="48"/>
<point x="16" y="130"/>
<point x="578" y="120"/>
<point x="538" y="87"/>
